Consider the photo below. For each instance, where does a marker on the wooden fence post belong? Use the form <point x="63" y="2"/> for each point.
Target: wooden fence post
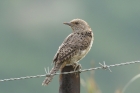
<point x="69" y="83"/>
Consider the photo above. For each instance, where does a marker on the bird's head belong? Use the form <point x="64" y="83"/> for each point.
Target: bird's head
<point x="78" y="25"/>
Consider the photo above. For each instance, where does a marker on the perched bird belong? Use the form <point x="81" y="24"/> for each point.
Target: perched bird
<point x="73" y="48"/>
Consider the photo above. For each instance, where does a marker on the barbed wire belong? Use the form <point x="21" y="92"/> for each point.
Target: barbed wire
<point x="103" y="66"/>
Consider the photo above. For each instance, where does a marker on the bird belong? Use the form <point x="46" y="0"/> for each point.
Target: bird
<point x="75" y="47"/>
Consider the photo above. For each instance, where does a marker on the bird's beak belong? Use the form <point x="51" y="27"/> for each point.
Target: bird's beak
<point x="67" y="23"/>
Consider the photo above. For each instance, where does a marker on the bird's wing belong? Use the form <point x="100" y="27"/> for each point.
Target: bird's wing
<point x="71" y="46"/>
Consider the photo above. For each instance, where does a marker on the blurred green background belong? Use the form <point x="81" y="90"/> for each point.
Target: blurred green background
<point x="31" y="32"/>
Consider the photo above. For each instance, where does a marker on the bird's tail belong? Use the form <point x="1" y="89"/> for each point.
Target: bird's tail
<point x="49" y="78"/>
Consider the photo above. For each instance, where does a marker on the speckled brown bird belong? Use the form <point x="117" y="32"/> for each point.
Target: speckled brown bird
<point x="74" y="48"/>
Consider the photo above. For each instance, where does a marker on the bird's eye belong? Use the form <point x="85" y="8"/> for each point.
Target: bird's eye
<point x="76" y="23"/>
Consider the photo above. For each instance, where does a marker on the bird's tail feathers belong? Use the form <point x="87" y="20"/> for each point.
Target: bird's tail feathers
<point x="49" y="78"/>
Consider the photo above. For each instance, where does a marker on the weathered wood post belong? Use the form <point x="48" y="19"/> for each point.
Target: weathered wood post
<point x="69" y="83"/>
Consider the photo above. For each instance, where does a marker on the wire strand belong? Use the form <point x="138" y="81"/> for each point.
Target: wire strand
<point x="103" y="66"/>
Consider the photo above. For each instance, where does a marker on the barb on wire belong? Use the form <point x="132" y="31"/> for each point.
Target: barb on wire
<point x="103" y="66"/>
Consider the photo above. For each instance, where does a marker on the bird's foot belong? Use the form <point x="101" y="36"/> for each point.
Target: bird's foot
<point x="77" y="66"/>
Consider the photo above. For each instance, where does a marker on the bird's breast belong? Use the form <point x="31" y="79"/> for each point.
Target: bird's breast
<point x="81" y="53"/>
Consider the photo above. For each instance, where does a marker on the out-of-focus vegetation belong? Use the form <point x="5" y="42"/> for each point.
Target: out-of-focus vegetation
<point x="90" y="84"/>
<point x="31" y="32"/>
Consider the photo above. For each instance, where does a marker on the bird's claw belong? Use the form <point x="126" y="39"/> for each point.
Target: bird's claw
<point x="77" y="67"/>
